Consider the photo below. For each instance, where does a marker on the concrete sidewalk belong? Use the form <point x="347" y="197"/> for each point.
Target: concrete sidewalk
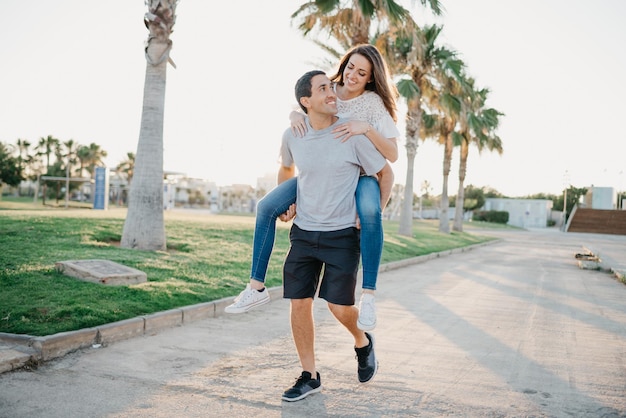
<point x="26" y="351"/>
<point x="509" y="329"/>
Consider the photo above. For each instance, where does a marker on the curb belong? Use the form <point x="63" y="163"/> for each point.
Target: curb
<point x="19" y="351"/>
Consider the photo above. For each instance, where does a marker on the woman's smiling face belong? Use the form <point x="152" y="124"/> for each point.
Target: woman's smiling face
<point x="357" y="74"/>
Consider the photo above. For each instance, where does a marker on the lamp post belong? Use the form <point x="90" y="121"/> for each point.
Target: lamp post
<point x="67" y="183"/>
<point x="566" y="184"/>
<point x="67" y="178"/>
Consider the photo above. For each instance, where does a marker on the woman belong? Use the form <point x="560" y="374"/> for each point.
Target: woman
<point x="366" y="95"/>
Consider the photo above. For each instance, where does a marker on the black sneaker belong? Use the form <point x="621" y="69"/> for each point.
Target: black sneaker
<point x="368" y="365"/>
<point x="303" y="387"/>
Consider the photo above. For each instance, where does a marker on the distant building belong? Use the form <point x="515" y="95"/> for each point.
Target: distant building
<point x="194" y="191"/>
<point x="187" y="192"/>
<point x="600" y="198"/>
<point x="237" y="198"/>
<point x="265" y="184"/>
<point x="524" y="213"/>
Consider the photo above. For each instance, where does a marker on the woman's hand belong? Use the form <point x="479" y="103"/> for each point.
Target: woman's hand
<point x="289" y="214"/>
<point x="351" y="128"/>
<point x="298" y="124"/>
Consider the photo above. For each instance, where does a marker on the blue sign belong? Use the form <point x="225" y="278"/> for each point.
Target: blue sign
<point x="101" y="189"/>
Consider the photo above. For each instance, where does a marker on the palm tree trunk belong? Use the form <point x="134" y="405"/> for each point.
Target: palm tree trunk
<point x="460" y="197"/>
<point x="444" y="222"/>
<point x="406" y="213"/>
<point x="144" y="227"/>
<point x="414" y="119"/>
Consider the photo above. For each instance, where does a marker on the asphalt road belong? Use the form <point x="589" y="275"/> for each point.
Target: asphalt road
<point x="512" y="329"/>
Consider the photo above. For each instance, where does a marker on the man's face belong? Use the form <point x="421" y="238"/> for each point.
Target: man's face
<point x="323" y="99"/>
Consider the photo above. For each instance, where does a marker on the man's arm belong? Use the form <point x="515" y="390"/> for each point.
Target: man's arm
<point x="284" y="174"/>
<point x="385" y="182"/>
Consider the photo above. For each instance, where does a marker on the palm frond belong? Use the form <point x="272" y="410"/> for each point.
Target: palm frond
<point x="408" y="88"/>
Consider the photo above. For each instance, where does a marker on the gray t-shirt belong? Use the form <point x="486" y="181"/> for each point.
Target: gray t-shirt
<point x="328" y="173"/>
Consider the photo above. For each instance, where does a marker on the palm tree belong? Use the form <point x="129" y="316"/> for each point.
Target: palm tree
<point x="127" y="166"/>
<point x="425" y="189"/>
<point x="70" y="149"/>
<point x="46" y="146"/>
<point x="350" y="22"/>
<point x="22" y="148"/>
<point x="125" y="170"/>
<point x="89" y="157"/>
<point x="83" y="154"/>
<point x="144" y="227"/>
<point x="94" y="157"/>
<point x="449" y="107"/>
<point x="31" y="165"/>
<point x="23" y="157"/>
<point x="477" y="126"/>
<point x="424" y="62"/>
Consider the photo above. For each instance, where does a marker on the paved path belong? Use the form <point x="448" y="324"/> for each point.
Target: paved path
<point x="506" y="330"/>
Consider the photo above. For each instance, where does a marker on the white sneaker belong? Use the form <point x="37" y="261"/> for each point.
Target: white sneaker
<point x="248" y="299"/>
<point x="367" y="312"/>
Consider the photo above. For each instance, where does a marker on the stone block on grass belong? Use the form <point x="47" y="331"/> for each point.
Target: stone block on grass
<point x="101" y="271"/>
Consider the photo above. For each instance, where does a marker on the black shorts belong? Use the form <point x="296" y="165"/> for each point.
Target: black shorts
<point x="337" y="252"/>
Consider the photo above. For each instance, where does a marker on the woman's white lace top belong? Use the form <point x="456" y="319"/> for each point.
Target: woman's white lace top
<point x="369" y="107"/>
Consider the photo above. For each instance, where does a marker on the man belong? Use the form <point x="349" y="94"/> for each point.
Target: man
<point x="324" y="234"/>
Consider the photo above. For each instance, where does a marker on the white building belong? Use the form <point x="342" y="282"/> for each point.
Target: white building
<point x="524" y="213"/>
<point x="265" y="184"/>
<point x="182" y="191"/>
<point x="600" y="198"/>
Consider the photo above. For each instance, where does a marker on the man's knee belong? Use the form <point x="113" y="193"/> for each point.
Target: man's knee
<point x="339" y="311"/>
<point x="301" y="304"/>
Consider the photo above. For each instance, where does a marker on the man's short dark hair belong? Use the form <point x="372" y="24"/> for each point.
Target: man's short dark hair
<point x="303" y="86"/>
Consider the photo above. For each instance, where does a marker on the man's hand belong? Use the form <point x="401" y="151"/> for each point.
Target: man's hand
<point x="289" y="214"/>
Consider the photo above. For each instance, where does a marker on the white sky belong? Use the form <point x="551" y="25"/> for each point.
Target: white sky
<point x="75" y="69"/>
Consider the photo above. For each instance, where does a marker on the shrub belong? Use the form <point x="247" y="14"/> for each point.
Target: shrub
<point x="495" y="216"/>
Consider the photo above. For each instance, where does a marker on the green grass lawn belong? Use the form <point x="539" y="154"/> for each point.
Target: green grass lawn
<point x="208" y="258"/>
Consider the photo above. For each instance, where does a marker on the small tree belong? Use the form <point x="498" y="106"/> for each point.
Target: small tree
<point x="474" y="198"/>
<point x="573" y="196"/>
<point x="10" y="168"/>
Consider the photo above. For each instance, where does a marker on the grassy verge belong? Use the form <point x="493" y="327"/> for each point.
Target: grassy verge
<point x="208" y="258"/>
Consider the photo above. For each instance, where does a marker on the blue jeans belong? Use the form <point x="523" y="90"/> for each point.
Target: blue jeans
<point x="282" y="196"/>
<point x="370" y="215"/>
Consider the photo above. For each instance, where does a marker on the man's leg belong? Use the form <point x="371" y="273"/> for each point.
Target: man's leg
<point x="347" y="316"/>
<point x="302" y="328"/>
<point x="303" y="332"/>
<point x="363" y="342"/>
<point x="341" y="257"/>
<point x="300" y="278"/>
